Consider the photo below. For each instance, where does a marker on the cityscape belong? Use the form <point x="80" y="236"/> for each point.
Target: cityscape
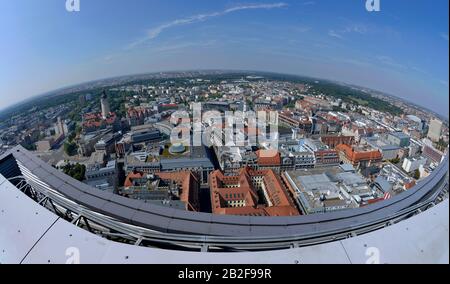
<point x="227" y="161"/>
<point x="334" y="151"/>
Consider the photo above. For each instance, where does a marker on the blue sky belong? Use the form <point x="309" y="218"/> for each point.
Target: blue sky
<point x="402" y="50"/>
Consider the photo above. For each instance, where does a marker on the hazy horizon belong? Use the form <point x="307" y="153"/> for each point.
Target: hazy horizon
<point x="80" y="84"/>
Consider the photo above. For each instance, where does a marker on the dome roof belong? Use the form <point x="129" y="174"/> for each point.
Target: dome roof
<point x="177" y="148"/>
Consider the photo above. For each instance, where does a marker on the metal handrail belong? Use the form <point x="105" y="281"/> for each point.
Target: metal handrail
<point x="238" y="242"/>
<point x="426" y="192"/>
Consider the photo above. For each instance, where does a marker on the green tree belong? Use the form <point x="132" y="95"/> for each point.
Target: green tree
<point x="71" y="137"/>
<point x="70" y="148"/>
<point x="290" y="105"/>
<point x="417" y="174"/>
<point x="442" y="145"/>
<point x="29" y="147"/>
<point x="75" y="114"/>
<point x="78" y="129"/>
<point x="76" y="171"/>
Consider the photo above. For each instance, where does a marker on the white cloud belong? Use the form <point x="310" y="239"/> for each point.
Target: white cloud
<point x="356" y="28"/>
<point x="333" y="33"/>
<point x="302" y="29"/>
<point x="160" y="48"/>
<point x="182" y="46"/>
<point x="390" y="62"/>
<point x="352" y="28"/>
<point x="353" y="61"/>
<point x="156" y="31"/>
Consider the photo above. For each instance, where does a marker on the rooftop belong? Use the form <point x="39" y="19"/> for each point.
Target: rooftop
<point x="239" y="194"/>
<point x="400" y="135"/>
<point x="356" y="154"/>
<point x="329" y="189"/>
<point x="268" y="158"/>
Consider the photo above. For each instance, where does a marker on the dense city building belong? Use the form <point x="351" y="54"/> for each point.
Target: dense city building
<point x="123" y="137"/>
<point x="333" y="141"/>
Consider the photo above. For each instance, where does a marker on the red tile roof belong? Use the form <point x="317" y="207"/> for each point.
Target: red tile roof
<point x="235" y="188"/>
<point x="186" y="180"/>
<point x="96" y="120"/>
<point x="268" y="158"/>
<point x="358" y="156"/>
<point x="131" y="177"/>
<point x="189" y="187"/>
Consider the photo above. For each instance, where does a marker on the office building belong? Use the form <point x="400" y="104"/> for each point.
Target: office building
<point x="388" y="150"/>
<point x="359" y="157"/>
<point x="435" y="130"/>
<point x="399" y="139"/>
<point x="178" y="190"/>
<point x="101" y="176"/>
<point x="329" y="189"/>
<point x="145" y="134"/>
<point x="412" y="164"/>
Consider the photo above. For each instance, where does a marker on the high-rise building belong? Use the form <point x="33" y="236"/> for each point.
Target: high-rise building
<point x="105" y="106"/>
<point x="434" y="133"/>
<point x="412" y="164"/>
<point x="82" y="100"/>
<point x="59" y="127"/>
